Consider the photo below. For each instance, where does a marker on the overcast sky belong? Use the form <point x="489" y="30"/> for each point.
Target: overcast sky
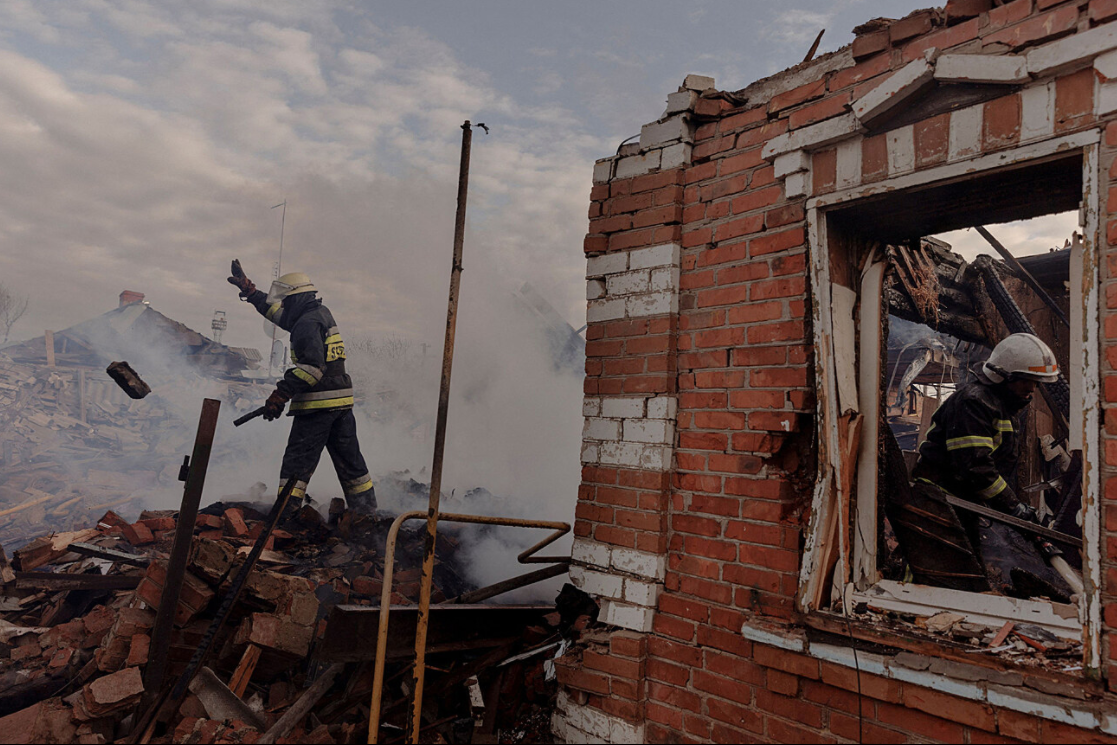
<point x="143" y="144"/>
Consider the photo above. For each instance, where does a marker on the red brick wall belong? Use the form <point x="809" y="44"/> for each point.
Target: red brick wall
<point x="740" y="356"/>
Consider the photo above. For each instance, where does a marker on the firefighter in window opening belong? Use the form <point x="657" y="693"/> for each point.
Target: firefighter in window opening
<point x="970" y="449"/>
<point x="320" y="391"/>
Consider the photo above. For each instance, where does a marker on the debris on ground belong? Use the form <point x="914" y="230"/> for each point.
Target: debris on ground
<point x="78" y="609"/>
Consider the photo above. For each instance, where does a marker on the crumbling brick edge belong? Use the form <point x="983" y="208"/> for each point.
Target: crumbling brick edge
<point x="1082" y="714"/>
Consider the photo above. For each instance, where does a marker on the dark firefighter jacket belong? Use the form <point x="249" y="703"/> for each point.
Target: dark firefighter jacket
<point x="972" y="445"/>
<point x="318" y="381"/>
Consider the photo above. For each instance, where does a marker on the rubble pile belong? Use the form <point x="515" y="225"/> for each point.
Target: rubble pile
<point x="1030" y="645"/>
<point x="77" y="611"/>
<point x="73" y="445"/>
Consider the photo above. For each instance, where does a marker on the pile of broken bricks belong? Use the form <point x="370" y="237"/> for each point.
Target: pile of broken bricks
<point x="77" y="611"/>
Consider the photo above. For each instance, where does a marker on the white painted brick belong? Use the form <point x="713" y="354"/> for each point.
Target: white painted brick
<point x="625" y="733"/>
<point x="558" y="727"/>
<point x="641" y="593"/>
<point x="575" y="736"/>
<point x="629" y="283"/>
<point x="590" y="452"/>
<point x="633" y="617"/>
<point x="655" y="458"/>
<point x="604" y="310"/>
<point x="637" y="165"/>
<point x="698" y="83"/>
<point x="901" y="150"/>
<point x="603" y="585"/>
<point x="652" y="304"/>
<point x="603" y="170"/>
<point x="656" y="431"/>
<point x="793" y="162"/>
<point x="601" y="429"/>
<point x="574" y="717"/>
<point x="676" y="155"/>
<point x="849" y="163"/>
<point x="1065" y="53"/>
<point x="1106" y="66"/>
<point x="1037" y="111"/>
<point x="599" y="266"/>
<point x="561" y="700"/>
<point x="813" y="137"/>
<point x="621" y="454"/>
<point x="665" y="278"/>
<point x="622" y="408"/>
<point x="667" y="254"/>
<point x="1106" y="99"/>
<point x="662" y="407"/>
<point x="680" y="101"/>
<point x="903" y="83"/>
<point x="670" y="130"/>
<point x="591" y="552"/>
<point x="981" y="68"/>
<point x="591" y="406"/>
<point x="577" y="575"/>
<point x="797" y="184"/>
<point x="595" y="289"/>
<point x="596" y="723"/>
<point x="965" y="132"/>
<point x="641" y="563"/>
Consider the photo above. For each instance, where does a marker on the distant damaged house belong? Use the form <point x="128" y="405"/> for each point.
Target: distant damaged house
<point x="771" y="325"/>
<point x="134" y="329"/>
<point x="73" y="444"/>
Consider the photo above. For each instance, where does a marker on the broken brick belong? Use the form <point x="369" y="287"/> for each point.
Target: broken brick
<point x="113" y="692"/>
<point x="137" y="534"/>
<point x="234" y="523"/>
<point x="137" y="650"/>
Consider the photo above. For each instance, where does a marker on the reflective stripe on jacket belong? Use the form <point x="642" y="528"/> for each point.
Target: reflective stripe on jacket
<point x="317" y="381"/>
<point x="972" y="445"/>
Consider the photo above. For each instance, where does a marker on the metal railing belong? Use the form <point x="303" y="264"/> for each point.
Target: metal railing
<point x="525" y="557"/>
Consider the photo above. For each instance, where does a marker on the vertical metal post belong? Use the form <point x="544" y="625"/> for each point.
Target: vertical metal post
<point x="184" y="535"/>
<point x="415" y="723"/>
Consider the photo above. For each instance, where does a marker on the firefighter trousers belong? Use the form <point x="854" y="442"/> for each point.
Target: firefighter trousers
<point x="336" y="431"/>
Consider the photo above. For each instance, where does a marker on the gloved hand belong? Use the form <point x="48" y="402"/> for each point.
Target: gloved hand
<point x="274" y="405"/>
<point x="1023" y="511"/>
<point x="240" y="281"/>
<point x="1047" y="549"/>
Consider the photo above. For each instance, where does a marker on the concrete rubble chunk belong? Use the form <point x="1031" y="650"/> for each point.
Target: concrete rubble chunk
<point x="698" y="83"/>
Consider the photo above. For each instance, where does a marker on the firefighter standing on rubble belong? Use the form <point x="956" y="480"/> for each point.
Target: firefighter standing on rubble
<point x="320" y="391"/>
<point x="970" y="449"/>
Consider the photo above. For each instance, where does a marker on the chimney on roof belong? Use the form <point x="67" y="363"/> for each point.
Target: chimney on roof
<point x="130" y="296"/>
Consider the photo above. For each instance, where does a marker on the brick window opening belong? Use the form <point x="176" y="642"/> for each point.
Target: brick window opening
<point x="904" y="322"/>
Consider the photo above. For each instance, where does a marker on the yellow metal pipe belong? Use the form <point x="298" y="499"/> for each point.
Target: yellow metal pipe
<point x="525" y="557"/>
<point x="382" y="632"/>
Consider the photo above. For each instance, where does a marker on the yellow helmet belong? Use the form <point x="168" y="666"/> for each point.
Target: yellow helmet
<point x="292" y="283"/>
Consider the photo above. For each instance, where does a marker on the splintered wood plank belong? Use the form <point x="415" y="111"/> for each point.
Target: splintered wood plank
<point x="7" y="574"/>
<point x="238" y="684"/>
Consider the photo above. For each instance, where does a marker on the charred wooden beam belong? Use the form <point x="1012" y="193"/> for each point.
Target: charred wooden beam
<point x="956" y="314"/>
<point x="63" y="582"/>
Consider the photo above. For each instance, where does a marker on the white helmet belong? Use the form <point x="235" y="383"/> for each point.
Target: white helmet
<point x="291" y="283"/>
<point x="1022" y="356"/>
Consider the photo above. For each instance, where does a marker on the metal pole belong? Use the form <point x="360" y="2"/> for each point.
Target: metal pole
<point x="184" y="535"/>
<point x="1023" y="274"/>
<point x="440" y="442"/>
<point x="525" y="557"/>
